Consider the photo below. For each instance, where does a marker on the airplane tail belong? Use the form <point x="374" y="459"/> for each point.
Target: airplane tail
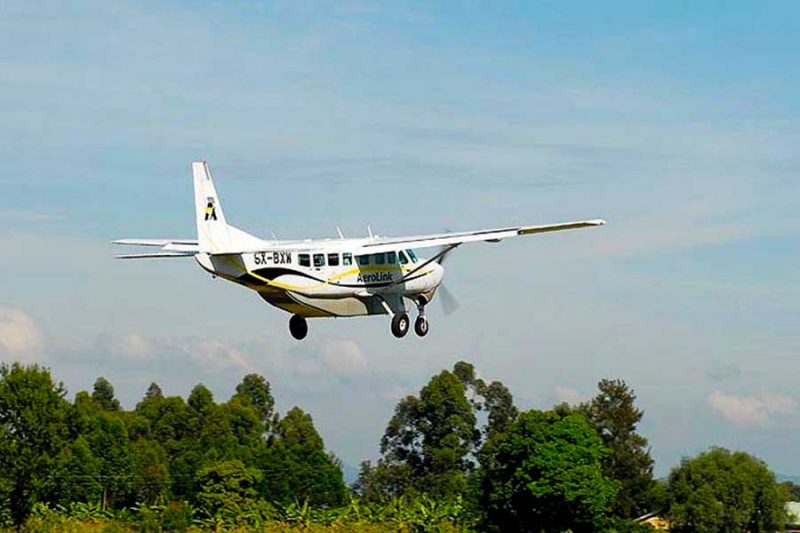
<point x="214" y="234"/>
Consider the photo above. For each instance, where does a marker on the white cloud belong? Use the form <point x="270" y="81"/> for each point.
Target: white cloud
<point x="566" y="394"/>
<point x="218" y="354"/>
<point x="344" y="357"/>
<point x="135" y="346"/>
<point x="20" y="335"/>
<point x="751" y="410"/>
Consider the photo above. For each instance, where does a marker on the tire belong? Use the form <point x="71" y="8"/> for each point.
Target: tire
<point x="400" y="325"/>
<point x="421" y="326"/>
<point x="298" y="327"/>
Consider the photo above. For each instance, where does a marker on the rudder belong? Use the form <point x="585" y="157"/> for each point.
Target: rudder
<point x="212" y="230"/>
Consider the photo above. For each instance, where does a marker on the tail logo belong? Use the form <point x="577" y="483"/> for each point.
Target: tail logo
<point x="211" y="210"/>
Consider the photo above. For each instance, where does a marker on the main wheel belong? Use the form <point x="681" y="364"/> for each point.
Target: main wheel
<point x="400" y="325"/>
<point x="421" y="326"/>
<point x="298" y="327"/>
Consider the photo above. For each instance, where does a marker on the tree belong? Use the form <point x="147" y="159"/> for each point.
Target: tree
<point x="33" y="430"/>
<point x="431" y="441"/>
<point x="433" y="436"/>
<point x="76" y="475"/>
<point x="227" y="489"/>
<point x="545" y="474"/>
<point x="151" y="468"/>
<point x="792" y="490"/>
<point x="297" y="467"/>
<point x="254" y="390"/>
<point x="613" y="414"/>
<point x="154" y="392"/>
<point x="103" y="395"/>
<point x="720" y="490"/>
<point x="108" y="440"/>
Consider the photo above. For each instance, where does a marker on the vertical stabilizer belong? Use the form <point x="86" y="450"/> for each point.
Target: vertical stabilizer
<point x="212" y="230"/>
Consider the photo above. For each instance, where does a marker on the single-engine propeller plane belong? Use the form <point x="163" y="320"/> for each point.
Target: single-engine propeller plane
<point x="341" y="277"/>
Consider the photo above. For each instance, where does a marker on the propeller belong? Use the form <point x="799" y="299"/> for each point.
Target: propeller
<point x="449" y="302"/>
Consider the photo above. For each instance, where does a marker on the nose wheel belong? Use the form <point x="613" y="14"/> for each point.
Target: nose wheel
<point x="421" y="323"/>
<point x="421" y="326"/>
<point x="298" y="327"/>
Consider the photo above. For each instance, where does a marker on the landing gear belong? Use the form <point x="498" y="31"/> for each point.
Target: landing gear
<point x="298" y="327"/>
<point x="421" y="326"/>
<point x="400" y="324"/>
<point x="421" y="323"/>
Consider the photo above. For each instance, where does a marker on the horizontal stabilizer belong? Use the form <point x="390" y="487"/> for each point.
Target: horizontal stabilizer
<point x="168" y="248"/>
<point x="155" y="242"/>
<point x="155" y="255"/>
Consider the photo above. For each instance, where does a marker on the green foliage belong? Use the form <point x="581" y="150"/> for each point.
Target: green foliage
<point x="103" y="395"/>
<point x="33" y="430"/>
<point x="255" y="391"/>
<point x="792" y="491"/>
<point x="227" y="491"/>
<point x="545" y="473"/>
<point x="196" y="465"/>
<point x="430" y="442"/>
<point x="721" y="490"/>
<point x="613" y="414"/>
<point x="297" y="467"/>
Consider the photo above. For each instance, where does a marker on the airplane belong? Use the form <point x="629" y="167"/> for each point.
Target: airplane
<point x="310" y="278"/>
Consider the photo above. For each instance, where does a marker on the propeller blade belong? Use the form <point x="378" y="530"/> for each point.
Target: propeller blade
<point x="443" y="258"/>
<point x="449" y="302"/>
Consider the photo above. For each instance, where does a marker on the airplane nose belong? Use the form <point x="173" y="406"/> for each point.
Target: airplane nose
<point x="438" y="272"/>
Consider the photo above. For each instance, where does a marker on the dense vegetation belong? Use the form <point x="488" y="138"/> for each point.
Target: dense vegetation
<point x="459" y="456"/>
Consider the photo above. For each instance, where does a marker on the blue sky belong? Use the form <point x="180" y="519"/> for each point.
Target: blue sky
<point x="678" y="122"/>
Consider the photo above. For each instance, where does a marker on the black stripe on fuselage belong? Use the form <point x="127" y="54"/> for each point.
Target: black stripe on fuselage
<point x="274" y="273"/>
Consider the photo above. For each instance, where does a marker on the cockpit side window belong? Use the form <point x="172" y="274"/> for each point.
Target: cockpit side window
<point x="391" y="258"/>
<point x="380" y="259"/>
<point x="363" y="259"/>
<point x="403" y="258"/>
<point x="304" y="260"/>
<point x="319" y="260"/>
<point x="412" y="255"/>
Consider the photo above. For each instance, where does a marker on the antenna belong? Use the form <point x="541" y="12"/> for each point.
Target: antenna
<point x="369" y="230"/>
<point x="274" y="238"/>
<point x="339" y="231"/>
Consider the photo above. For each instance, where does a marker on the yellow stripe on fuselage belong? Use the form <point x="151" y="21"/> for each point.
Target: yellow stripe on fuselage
<point x="337" y="277"/>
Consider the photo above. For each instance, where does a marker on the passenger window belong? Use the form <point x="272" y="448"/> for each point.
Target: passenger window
<point x="333" y="260"/>
<point x="380" y="259"/>
<point x="391" y="258"/>
<point x="319" y="260"/>
<point x="363" y="259"/>
<point x="412" y="255"/>
<point x="304" y="260"/>
<point x="347" y="259"/>
<point x="403" y="258"/>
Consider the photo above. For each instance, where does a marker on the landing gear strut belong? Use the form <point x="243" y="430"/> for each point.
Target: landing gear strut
<point x="421" y="323"/>
<point x="298" y="327"/>
<point x="400" y="324"/>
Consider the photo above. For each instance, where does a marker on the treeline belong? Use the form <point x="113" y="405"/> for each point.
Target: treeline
<point x="457" y="456"/>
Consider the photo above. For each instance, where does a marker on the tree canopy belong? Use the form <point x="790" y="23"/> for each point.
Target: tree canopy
<point x="545" y="474"/>
<point x="459" y="448"/>
<point x="615" y="418"/>
<point x="720" y="490"/>
<point x="214" y="455"/>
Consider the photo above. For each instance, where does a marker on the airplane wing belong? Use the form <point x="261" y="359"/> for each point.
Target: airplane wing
<point x="387" y="244"/>
<point x="168" y="248"/>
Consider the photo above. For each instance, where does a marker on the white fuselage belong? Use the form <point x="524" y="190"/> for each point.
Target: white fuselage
<point x="330" y="280"/>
